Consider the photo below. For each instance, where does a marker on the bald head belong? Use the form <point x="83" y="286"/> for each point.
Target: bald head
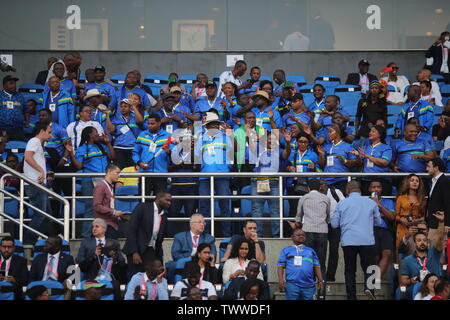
<point x="353" y="186"/>
<point x="414" y="93"/>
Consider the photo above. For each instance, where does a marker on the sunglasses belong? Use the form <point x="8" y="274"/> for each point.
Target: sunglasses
<point x="303" y="141"/>
<point x="395" y="68"/>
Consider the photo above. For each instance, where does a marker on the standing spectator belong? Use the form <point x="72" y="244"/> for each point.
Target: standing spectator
<point x="318" y="105"/>
<point x="265" y="116"/>
<point x="13" y="267"/>
<point x="407" y="245"/>
<point x="238" y="261"/>
<point x="104" y="202"/>
<point x="257" y="247"/>
<point x="302" y="267"/>
<point x="99" y="111"/>
<point x="59" y="102"/>
<point x="416" y="108"/>
<point x="442" y="289"/>
<point x="146" y="231"/>
<point x="255" y="75"/>
<point x="14" y="115"/>
<point x="395" y="80"/>
<point x="216" y="151"/>
<point x="53" y="264"/>
<point x="328" y="117"/>
<point x="438" y="55"/>
<point x="198" y="90"/>
<point x="42" y="75"/>
<point x="298" y="111"/>
<point x="93" y="155"/>
<point x="205" y="259"/>
<point x="438" y="198"/>
<point x="171" y="116"/>
<point x="150" y="284"/>
<point x="131" y="86"/>
<point x="35" y="169"/>
<point x="145" y="87"/>
<point x="426" y="291"/>
<point x="193" y="279"/>
<point x="383" y="235"/>
<point x="334" y="234"/>
<point x="370" y="109"/>
<point x="240" y="67"/>
<point x="202" y="106"/>
<point x="357" y="216"/>
<point x="125" y="129"/>
<point x="313" y="216"/>
<point x="34" y="117"/>
<point x="321" y="32"/>
<point x="59" y="70"/>
<point x="152" y="154"/>
<point x="363" y="78"/>
<point x="107" y="90"/>
<point x="182" y="101"/>
<point x="75" y="129"/>
<point x="410" y="206"/>
<point x="296" y="41"/>
<point x="279" y="80"/>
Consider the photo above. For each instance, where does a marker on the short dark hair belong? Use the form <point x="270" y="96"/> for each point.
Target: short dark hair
<point x="247" y="222"/>
<point x="418" y="233"/>
<point x="192" y="269"/>
<point x="297" y="96"/>
<point x="314" y="184"/>
<point x="7" y="238"/>
<point x="111" y="167"/>
<point x="41" y="126"/>
<point x="427" y="83"/>
<point x="437" y="162"/>
<point x="154" y="116"/>
<point x="319" y="85"/>
<point x="264" y="82"/>
<point x="440" y="286"/>
<point x="35" y="292"/>
<point x="253" y="68"/>
<point x="248" y="284"/>
<point x="254" y="262"/>
<point x="162" y="193"/>
<point x="46" y="110"/>
<point x="150" y="262"/>
<point x="240" y="63"/>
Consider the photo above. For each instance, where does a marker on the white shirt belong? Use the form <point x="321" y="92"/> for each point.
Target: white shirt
<point x="419" y="297"/>
<point x="435" y="93"/>
<point x="75" y="128"/>
<point x="103" y="240"/>
<point x="399" y="85"/>
<point x="296" y="42"/>
<point x="333" y="202"/>
<point x="433" y="182"/>
<point x="7" y="264"/>
<point x="156" y="224"/>
<point x="227" y="76"/>
<point x="54" y="267"/>
<point x="203" y="285"/>
<point x="35" y="145"/>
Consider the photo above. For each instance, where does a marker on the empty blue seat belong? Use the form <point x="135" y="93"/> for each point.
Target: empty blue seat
<point x="439" y="145"/>
<point x="439" y="78"/>
<point x="349" y="96"/>
<point x="55" y="289"/>
<point x="127" y="205"/>
<point x="107" y="291"/>
<point x="17" y="148"/>
<point x="11" y="206"/>
<point x="298" y="80"/>
<point x="38" y="247"/>
<point x="180" y="267"/>
<point x="118" y="79"/>
<point x="394" y="109"/>
<point x="31" y="91"/>
<point x="307" y="92"/>
<point x="156" y="81"/>
<point x="187" y="80"/>
<point x="328" y="80"/>
<point x="246" y="204"/>
<point x="6" y="291"/>
<point x="445" y="92"/>
<point x="19" y="248"/>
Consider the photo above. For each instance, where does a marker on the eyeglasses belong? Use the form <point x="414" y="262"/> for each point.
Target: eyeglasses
<point x="201" y="222"/>
<point x="395" y="68"/>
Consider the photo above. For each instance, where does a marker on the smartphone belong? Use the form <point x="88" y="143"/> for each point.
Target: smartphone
<point x="374" y="195"/>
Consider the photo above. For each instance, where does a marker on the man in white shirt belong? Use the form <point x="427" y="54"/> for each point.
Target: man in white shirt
<point x="75" y="128"/>
<point x="296" y="41"/>
<point x="233" y="76"/>
<point x="192" y="279"/>
<point x="425" y="74"/>
<point x="34" y="168"/>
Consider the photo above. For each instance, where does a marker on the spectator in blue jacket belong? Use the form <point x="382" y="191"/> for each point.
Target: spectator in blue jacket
<point x="265" y="116"/>
<point x="105" y="88"/>
<point x="14" y="114"/>
<point x="59" y="70"/>
<point x="172" y="112"/>
<point x="132" y="86"/>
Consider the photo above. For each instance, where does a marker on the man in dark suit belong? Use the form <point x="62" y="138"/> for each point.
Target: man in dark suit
<point x="13" y="268"/>
<point x="437" y="53"/>
<point x="438" y="200"/>
<point x="53" y="264"/>
<point x="185" y="243"/>
<point x="146" y="230"/>
<point x="363" y="78"/>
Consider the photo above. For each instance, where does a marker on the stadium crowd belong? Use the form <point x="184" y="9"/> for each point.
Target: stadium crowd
<point x="230" y="125"/>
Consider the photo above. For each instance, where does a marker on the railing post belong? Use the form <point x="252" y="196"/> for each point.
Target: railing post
<point x="2" y="202"/>
<point x="22" y="194"/>
<point x="143" y="189"/>
<point x="280" y="186"/>
<point x="74" y="208"/>
<point x="211" y="190"/>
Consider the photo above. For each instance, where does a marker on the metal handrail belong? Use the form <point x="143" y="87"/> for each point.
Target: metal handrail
<point x="56" y="196"/>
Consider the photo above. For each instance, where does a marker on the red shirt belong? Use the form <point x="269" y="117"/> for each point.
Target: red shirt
<point x="437" y="298"/>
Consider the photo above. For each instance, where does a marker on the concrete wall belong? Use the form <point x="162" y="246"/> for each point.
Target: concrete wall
<point x="310" y="64"/>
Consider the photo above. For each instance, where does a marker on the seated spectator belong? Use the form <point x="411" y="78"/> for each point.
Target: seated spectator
<point x="182" y="100"/>
<point x="124" y="127"/>
<point x="437" y="55"/>
<point x="425" y="92"/>
<point x="185" y="244"/>
<point x="53" y="264"/>
<point x="14" y="115"/>
<point x="193" y="277"/>
<point x="131" y="86"/>
<point x="279" y="80"/>
<point x="298" y="111"/>
<point x="107" y="90"/>
<point x="205" y="259"/>
<point x="232" y="291"/>
<point x="298" y="267"/>
<point x="75" y="129"/>
<point x="363" y="78"/>
<point x="198" y="90"/>
<point x="383" y="234"/>
<point x="93" y="290"/>
<point x="255" y="75"/>
<point x="442" y="289"/>
<point x="327" y="114"/>
<point x="38" y="293"/>
<point x="407" y="245"/>
<point x="395" y="80"/>
<point x="336" y="156"/>
<point x="172" y="117"/>
<point x="239" y="69"/>
<point x="13" y="268"/>
<point x="172" y="81"/>
<point x="93" y="155"/>
<point x="59" y="70"/>
<point x="422" y="136"/>
<point x="99" y="111"/>
<point x="42" y="75"/>
<point x="426" y="291"/>
<point x="12" y="161"/>
<point x="251" y="289"/>
<point x="148" y="285"/>
<point x="257" y="247"/>
<point x="146" y="88"/>
<point x="228" y="103"/>
<point x="410" y="206"/>
<point x="34" y="117"/>
<point x="238" y="261"/>
<point x="370" y="109"/>
<point x="425" y="74"/>
<point x="410" y="154"/>
<point x="423" y="261"/>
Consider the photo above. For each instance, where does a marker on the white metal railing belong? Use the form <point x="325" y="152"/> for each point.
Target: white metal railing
<point x="22" y="203"/>
<point x="211" y="176"/>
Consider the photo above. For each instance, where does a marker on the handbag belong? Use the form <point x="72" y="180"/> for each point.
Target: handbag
<point x="263" y="186"/>
<point x="301" y="186"/>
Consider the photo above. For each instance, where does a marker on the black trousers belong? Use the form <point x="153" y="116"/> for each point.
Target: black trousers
<point x="124" y="158"/>
<point x="334" y="237"/>
<point x="367" y="256"/>
<point x="149" y="254"/>
<point x="319" y="242"/>
<point x="154" y="185"/>
<point x="112" y="233"/>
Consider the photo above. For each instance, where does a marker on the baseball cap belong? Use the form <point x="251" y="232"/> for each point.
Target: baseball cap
<point x="126" y="100"/>
<point x="172" y="80"/>
<point x="297" y="96"/>
<point x="175" y="89"/>
<point x="363" y="61"/>
<point x="9" y="78"/>
<point x="93" y="284"/>
<point x="288" y="84"/>
<point x="167" y="96"/>
<point x="210" y="83"/>
<point x="101" y="68"/>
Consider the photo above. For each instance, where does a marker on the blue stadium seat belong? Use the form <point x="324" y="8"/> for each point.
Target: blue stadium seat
<point x="439" y="145"/>
<point x="38" y="247"/>
<point x="79" y="208"/>
<point x="125" y="204"/>
<point x="246" y="204"/>
<point x="223" y="247"/>
<point x="187" y="80"/>
<point x="179" y="267"/>
<point x="298" y="80"/>
<point x="118" y="79"/>
<point x="328" y="80"/>
<point x="439" y="78"/>
<point x="107" y="291"/>
<point x="405" y="90"/>
<point x="445" y="92"/>
<point x="394" y="109"/>
<point x="19" y="248"/>
<point x="416" y="289"/>
<point x="392" y="119"/>
<point x="156" y="81"/>
<point x="31" y="91"/>
<point x="17" y="148"/>
<point x="82" y="78"/>
<point x="56" y="289"/>
<point x="11" y="206"/>
<point x="349" y="96"/>
<point x="307" y="92"/>
<point x="6" y="291"/>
